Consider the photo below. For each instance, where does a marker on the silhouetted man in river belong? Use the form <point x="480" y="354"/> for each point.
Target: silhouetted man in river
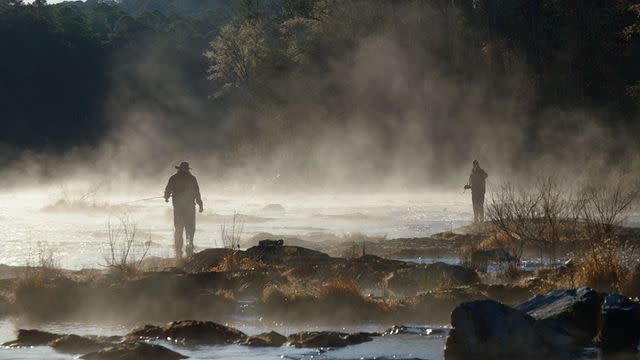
<point x="477" y="185"/>
<point x="185" y="193"/>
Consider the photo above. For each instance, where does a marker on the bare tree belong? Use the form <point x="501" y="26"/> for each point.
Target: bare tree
<point x="515" y="213"/>
<point x="558" y="209"/>
<point x="538" y="216"/>
<point x="123" y="252"/>
<point x="604" y="208"/>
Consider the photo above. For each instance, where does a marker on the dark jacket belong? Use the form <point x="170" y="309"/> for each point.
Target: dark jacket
<point x="477" y="180"/>
<point x="183" y="189"/>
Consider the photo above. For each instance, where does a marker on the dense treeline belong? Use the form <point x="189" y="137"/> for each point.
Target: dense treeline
<point x="59" y="62"/>
<point x="62" y="64"/>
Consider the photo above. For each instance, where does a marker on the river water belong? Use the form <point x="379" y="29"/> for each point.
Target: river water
<point x="77" y="234"/>
<point x="30" y="223"/>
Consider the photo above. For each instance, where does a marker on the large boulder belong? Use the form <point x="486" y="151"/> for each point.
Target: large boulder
<point x="134" y="351"/>
<point x="327" y="339"/>
<point x="487" y="329"/>
<point x="270" y="339"/>
<point x="619" y="331"/>
<point x="573" y="312"/>
<point x="190" y="332"/>
<point x="411" y="280"/>
<point x="29" y="337"/>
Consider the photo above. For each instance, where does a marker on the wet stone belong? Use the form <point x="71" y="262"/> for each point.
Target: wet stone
<point x="134" y="351"/>
<point x="270" y="339"/>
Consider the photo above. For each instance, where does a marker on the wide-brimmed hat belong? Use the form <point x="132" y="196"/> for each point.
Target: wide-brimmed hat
<point x="183" y="166"/>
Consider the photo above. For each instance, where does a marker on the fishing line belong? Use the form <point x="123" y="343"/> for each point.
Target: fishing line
<point x="140" y="200"/>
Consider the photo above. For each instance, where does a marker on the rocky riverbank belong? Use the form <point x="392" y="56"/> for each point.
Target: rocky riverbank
<point x="272" y="282"/>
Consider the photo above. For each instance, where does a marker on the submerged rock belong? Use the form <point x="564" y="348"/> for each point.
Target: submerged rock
<point x="274" y="208"/>
<point x="270" y="339"/>
<point x="189" y="331"/>
<point x="134" y="351"/>
<point x="75" y="344"/>
<point x="327" y="339"/>
<point x="28" y="337"/>
<point x="487" y="329"/>
<point x="620" y="331"/>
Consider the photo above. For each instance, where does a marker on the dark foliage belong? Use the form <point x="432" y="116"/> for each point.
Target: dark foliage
<point x="59" y="61"/>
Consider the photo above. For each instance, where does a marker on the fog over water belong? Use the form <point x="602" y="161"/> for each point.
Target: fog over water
<point x="77" y="231"/>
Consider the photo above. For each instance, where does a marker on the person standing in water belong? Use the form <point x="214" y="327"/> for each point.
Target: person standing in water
<point x="477" y="185"/>
<point x="185" y="193"/>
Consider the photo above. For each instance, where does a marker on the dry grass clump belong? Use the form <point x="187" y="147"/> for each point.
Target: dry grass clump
<point x="338" y="299"/>
<point x="86" y="276"/>
<point x="43" y="267"/>
<point x="31" y="279"/>
<point x="231" y="261"/>
<point x="602" y="269"/>
<point x="225" y="294"/>
<point x="281" y="294"/>
<point x="340" y="288"/>
<point x="606" y="263"/>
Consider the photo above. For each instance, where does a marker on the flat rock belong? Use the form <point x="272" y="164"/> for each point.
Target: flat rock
<point x="31" y="337"/>
<point x="134" y="351"/>
<point x="327" y="339"/>
<point x="573" y="311"/>
<point x="190" y="332"/>
<point x="270" y="339"/>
